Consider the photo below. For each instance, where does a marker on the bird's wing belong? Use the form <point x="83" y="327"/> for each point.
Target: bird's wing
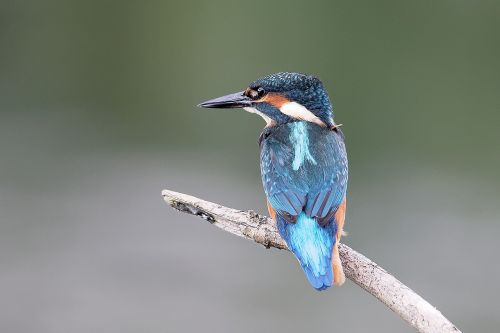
<point x="286" y="198"/>
<point x="317" y="187"/>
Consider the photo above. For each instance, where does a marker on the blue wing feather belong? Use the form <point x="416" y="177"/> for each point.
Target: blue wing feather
<point x="304" y="172"/>
<point x="317" y="188"/>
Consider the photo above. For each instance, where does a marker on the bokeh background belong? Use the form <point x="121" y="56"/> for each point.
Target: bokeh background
<point x="97" y="116"/>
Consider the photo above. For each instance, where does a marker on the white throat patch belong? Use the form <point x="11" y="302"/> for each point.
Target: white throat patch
<point x="299" y="111"/>
<point x="268" y="120"/>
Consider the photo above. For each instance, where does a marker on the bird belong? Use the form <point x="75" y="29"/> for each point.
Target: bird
<point x="304" y="168"/>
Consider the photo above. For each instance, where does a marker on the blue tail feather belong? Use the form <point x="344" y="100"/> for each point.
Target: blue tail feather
<point x="320" y="282"/>
<point x="312" y="244"/>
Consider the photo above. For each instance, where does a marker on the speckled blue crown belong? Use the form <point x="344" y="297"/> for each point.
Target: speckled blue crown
<point x="304" y="89"/>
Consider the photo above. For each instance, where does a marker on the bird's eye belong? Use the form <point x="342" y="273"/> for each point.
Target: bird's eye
<point x="261" y="91"/>
<point x="255" y="93"/>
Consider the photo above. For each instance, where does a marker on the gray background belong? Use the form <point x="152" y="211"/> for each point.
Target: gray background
<point x="97" y="116"/>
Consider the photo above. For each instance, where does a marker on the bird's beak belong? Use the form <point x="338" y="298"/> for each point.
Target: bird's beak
<point x="236" y="100"/>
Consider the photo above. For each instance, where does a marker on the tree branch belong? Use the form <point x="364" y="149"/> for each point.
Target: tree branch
<point x="365" y="273"/>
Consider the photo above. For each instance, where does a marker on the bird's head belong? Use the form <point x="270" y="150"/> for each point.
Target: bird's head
<point x="282" y="98"/>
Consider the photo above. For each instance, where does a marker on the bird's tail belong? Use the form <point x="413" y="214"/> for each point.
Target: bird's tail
<point x="312" y="244"/>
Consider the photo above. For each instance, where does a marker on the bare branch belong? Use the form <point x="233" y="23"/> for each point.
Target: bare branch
<point x="365" y="273"/>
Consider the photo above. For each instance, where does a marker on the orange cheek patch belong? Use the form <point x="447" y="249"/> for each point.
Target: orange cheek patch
<point x="275" y="100"/>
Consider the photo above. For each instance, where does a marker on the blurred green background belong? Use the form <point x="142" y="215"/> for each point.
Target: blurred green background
<point x="97" y="116"/>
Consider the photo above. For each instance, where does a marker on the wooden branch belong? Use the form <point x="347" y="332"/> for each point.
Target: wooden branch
<point x="365" y="273"/>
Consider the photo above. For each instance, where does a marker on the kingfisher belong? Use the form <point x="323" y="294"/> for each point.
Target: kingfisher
<point x="304" y="168"/>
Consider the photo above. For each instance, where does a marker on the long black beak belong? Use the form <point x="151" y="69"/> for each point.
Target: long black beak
<point x="236" y="100"/>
